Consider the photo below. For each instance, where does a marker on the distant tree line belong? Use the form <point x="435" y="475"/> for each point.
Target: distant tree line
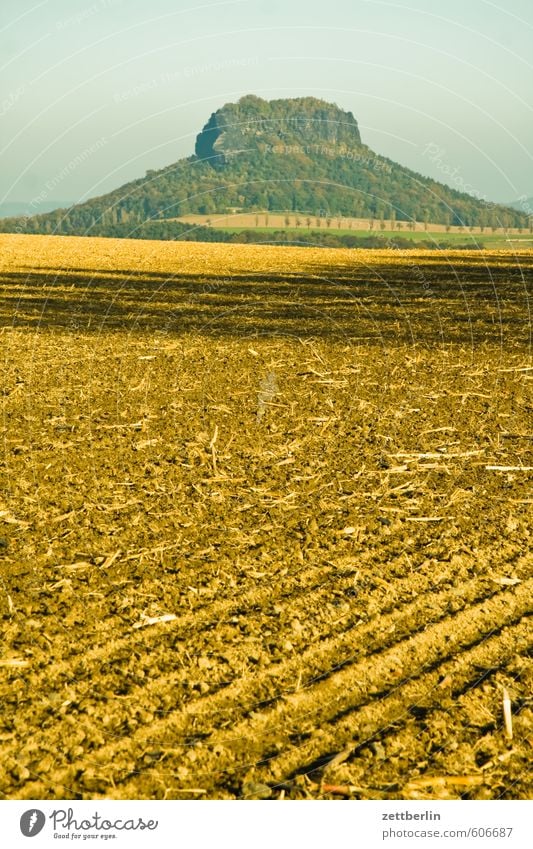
<point x="177" y="231"/>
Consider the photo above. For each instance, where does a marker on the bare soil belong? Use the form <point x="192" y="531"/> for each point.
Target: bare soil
<point x="265" y="522"/>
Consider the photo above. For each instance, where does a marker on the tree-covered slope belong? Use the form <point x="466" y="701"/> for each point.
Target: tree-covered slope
<point x="301" y="155"/>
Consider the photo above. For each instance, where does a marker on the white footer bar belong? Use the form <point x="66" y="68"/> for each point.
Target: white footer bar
<point x="263" y="825"/>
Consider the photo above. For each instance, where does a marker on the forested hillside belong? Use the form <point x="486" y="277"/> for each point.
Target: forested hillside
<point x="302" y="155"/>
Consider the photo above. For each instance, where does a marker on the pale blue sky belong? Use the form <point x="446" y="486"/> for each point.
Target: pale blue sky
<point x="125" y="85"/>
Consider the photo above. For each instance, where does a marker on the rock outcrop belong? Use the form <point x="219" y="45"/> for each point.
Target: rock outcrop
<point x="254" y="124"/>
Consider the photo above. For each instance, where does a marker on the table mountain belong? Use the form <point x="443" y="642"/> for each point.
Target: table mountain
<point x="294" y="155"/>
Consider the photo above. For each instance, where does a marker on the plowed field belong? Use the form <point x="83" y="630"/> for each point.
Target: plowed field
<point x="264" y="522"/>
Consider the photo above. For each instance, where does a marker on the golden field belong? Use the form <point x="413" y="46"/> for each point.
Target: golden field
<point x="265" y="521"/>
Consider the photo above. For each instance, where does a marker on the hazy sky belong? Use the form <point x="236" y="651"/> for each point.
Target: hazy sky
<point x="125" y="85"/>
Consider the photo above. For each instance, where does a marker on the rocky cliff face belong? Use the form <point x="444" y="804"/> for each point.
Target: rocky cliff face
<point x="253" y="124"/>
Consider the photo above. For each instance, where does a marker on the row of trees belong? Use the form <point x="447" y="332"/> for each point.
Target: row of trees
<point x="176" y="231"/>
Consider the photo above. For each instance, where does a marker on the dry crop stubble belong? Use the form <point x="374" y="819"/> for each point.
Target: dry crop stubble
<point x="265" y="521"/>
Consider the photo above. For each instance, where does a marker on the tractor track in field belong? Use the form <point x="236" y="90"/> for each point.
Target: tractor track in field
<point x="409" y="605"/>
<point x="347" y="707"/>
<point x="361" y="671"/>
